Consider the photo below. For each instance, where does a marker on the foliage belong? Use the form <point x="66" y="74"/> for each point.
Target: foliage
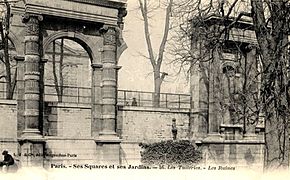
<point x="170" y="152"/>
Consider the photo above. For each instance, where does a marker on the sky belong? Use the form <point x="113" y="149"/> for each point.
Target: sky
<point x="136" y="71"/>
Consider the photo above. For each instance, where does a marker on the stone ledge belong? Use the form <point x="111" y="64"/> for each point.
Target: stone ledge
<point x="32" y="139"/>
<point x="8" y="102"/>
<point x="8" y="140"/>
<point x="69" y="105"/>
<point x="108" y="140"/>
<point x="152" y="109"/>
<point x="110" y="3"/>
<point x="232" y="142"/>
<point x="48" y="138"/>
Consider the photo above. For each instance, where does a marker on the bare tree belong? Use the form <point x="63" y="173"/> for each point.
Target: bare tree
<point x="265" y="88"/>
<point x="156" y="60"/>
<point x="272" y="36"/>
<point x="9" y="76"/>
<point x="61" y="68"/>
<point x="58" y="72"/>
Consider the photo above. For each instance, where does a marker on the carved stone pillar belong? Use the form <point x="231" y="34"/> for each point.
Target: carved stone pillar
<point x="96" y="99"/>
<point x="20" y="95"/>
<point x="109" y="83"/>
<point x="32" y="76"/>
<point x="214" y="96"/>
<point x="108" y="144"/>
<point x="31" y="141"/>
<point x="252" y="117"/>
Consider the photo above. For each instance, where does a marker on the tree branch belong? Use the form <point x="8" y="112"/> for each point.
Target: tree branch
<point x="144" y="12"/>
<point x="165" y="34"/>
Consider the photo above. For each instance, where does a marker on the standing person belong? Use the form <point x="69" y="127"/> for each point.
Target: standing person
<point x="134" y="102"/>
<point x="174" y="129"/>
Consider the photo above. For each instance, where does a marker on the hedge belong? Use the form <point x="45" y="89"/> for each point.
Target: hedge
<point x="170" y="152"/>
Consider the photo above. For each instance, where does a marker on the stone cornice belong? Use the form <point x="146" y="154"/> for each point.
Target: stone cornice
<point x="106" y="3"/>
<point x="86" y="10"/>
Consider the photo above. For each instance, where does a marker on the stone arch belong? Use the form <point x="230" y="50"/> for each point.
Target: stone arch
<point x="83" y="40"/>
<point x="16" y="43"/>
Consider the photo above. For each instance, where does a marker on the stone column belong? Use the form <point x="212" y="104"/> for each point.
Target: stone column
<point x="109" y="83"/>
<point x="31" y="141"/>
<point x="252" y="91"/>
<point x="32" y="76"/>
<point x="214" y="110"/>
<point x="20" y="95"/>
<point x="96" y="99"/>
<point x="199" y="109"/>
<point x="108" y="144"/>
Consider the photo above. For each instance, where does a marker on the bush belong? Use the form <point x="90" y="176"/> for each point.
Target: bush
<point x="170" y="152"/>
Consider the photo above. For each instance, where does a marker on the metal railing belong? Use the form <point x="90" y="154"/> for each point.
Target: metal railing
<point x="82" y="95"/>
<point x="145" y="99"/>
<point x="71" y="94"/>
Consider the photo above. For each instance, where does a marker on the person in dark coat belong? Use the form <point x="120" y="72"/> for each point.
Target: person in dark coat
<point x="174" y="129"/>
<point x="8" y="161"/>
<point x="134" y="102"/>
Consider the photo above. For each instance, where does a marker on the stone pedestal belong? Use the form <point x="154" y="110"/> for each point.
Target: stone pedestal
<point x="108" y="151"/>
<point x="32" y="152"/>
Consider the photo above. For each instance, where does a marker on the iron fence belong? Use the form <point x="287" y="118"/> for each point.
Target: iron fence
<point x="71" y="94"/>
<point x="145" y="99"/>
<point x="82" y="95"/>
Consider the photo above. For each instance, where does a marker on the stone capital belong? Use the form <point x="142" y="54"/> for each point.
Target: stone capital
<point x="32" y="25"/>
<point x="28" y="16"/>
<point x="109" y="34"/>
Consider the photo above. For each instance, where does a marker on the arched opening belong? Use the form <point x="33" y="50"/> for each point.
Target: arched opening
<point x="67" y="72"/>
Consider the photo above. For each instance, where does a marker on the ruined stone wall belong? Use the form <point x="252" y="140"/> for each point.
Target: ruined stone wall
<point x="140" y="124"/>
<point x="143" y="124"/>
<point x="67" y="120"/>
<point x="68" y="132"/>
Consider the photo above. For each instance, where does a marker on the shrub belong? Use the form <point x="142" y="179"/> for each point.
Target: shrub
<point x="170" y="152"/>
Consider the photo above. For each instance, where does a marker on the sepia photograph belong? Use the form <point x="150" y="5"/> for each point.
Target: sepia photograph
<point x="144" y="89"/>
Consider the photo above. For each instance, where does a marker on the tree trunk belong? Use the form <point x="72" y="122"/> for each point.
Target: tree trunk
<point x="61" y="72"/>
<point x="273" y="49"/>
<point x="4" y="35"/>
<point x="157" y="88"/>
<point x="156" y="61"/>
<point x="54" y="71"/>
<point x="9" y="88"/>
